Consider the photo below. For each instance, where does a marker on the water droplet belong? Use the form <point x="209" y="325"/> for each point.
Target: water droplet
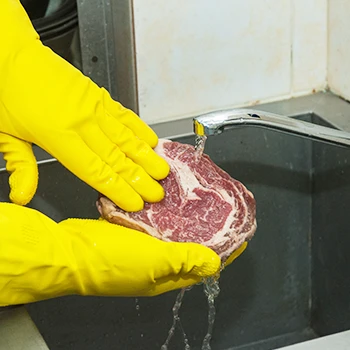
<point x="137" y="306"/>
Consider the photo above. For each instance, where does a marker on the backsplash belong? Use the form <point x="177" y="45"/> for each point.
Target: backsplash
<point x="339" y="47"/>
<point x="195" y="56"/>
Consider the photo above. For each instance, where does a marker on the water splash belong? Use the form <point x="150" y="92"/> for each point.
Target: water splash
<point x="177" y="321"/>
<point x="199" y="146"/>
<point x="211" y="290"/>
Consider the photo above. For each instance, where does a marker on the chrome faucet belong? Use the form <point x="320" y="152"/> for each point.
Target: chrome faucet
<point x="215" y="123"/>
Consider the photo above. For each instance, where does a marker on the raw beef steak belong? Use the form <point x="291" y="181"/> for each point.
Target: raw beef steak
<point x="202" y="204"/>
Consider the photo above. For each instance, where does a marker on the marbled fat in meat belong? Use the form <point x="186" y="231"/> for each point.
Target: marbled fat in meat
<point x="202" y="204"/>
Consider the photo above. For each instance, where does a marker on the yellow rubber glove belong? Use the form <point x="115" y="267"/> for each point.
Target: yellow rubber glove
<point x="40" y="259"/>
<point x="21" y="164"/>
<point x="46" y="101"/>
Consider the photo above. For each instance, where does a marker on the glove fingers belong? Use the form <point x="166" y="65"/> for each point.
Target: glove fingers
<point x="142" y="265"/>
<point x="21" y="164"/>
<point x="94" y="171"/>
<point x="236" y="254"/>
<point x="184" y="265"/>
<point x="134" y="147"/>
<point x="130" y="120"/>
<point x="202" y="267"/>
<point x="168" y="284"/>
<point x="149" y="189"/>
<point x="193" y="259"/>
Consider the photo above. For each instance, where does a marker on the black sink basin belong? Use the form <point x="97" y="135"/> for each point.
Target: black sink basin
<point x="290" y="285"/>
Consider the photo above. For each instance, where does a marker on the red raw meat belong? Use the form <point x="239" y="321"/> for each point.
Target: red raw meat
<point x="203" y="204"/>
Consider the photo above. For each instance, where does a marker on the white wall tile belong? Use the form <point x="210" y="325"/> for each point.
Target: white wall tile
<point x="309" y="51"/>
<point x="339" y="47"/>
<point x="199" y="55"/>
<point x="195" y="56"/>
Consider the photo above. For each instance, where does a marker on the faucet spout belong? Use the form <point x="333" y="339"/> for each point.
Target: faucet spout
<point x="215" y="123"/>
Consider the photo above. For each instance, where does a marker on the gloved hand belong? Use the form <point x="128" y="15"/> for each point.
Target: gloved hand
<point x="40" y="259"/>
<point x="46" y="101"/>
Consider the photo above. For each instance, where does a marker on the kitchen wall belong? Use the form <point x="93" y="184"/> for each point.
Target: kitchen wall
<point x="199" y="55"/>
<point x="339" y="47"/>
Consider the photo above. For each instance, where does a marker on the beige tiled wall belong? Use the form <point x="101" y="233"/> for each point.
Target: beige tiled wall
<point x="199" y="55"/>
<point x="339" y="47"/>
<point x="309" y="48"/>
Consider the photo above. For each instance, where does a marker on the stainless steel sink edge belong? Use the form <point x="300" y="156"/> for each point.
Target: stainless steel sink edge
<point x="339" y="341"/>
<point x="18" y="331"/>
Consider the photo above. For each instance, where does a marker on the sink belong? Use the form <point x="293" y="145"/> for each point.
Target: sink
<point x="289" y="286"/>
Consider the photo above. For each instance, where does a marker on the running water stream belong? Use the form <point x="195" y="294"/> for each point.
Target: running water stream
<point x="177" y="321"/>
<point x="199" y="146"/>
<point x="211" y="290"/>
<point x="210" y="286"/>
